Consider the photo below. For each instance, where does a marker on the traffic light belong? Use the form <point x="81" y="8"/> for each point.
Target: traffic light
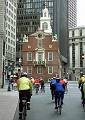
<point x="82" y="56"/>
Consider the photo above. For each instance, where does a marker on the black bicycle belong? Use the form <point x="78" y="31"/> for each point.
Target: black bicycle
<point x="24" y="112"/>
<point x="59" y="102"/>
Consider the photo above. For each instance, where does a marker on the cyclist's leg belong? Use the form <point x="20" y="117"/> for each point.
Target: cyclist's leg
<point x="52" y="94"/>
<point x="28" y="99"/>
<point x="56" y="102"/>
<point x="62" y="97"/>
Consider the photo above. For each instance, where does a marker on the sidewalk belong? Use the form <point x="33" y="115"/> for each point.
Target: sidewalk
<point x="8" y="103"/>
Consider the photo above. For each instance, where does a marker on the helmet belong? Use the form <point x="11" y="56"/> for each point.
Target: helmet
<point x="57" y="79"/>
<point x="83" y="75"/>
<point x="24" y="74"/>
<point x="54" y="77"/>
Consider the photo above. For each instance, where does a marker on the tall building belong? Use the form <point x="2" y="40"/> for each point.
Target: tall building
<point x="28" y="20"/>
<point x="77" y="51"/>
<point x="72" y="13"/>
<point x="8" y="28"/>
<point x="2" y="41"/>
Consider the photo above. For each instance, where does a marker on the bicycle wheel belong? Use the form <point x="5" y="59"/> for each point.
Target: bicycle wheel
<point x="24" y="112"/>
<point x="60" y="109"/>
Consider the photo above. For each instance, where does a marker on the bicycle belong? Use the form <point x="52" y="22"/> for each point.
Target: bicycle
<point x="24" y="112"/>
<point x="59" y="102"/>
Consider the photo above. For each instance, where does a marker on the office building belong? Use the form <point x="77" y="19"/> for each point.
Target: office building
<point x="77" y="51"/>
<point x="8" y="10"/>
<point x="72" y="13"/>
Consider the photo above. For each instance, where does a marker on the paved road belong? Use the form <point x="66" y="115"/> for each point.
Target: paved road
<point x="42" y="107"/>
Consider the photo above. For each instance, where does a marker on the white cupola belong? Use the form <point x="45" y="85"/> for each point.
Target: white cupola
<point x="45" y="21"/>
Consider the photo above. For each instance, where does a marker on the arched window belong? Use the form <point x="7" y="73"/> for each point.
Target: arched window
<point x="45" y="26"/>
<point x="45" y="14"/>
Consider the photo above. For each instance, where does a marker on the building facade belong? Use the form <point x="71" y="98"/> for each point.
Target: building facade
<point x="72" y="13"/>
<point x="28" y="20"/>
<point x="2" y="41"/>
<point x="77" y="51"/>
<point x="8" y="11"/>
<point x="41" y="56"/>
<point x="40" y="51"/>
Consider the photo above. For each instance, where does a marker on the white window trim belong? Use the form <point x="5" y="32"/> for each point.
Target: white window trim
<point x="28" y="57"/>
<point x="37" y="70"/>
<point x="28" y="69"/>
<point x="48" y="56"/>
<point x="48" y="69"/>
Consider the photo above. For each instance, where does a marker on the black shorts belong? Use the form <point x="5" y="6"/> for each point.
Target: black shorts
<point x="24" y="94"/>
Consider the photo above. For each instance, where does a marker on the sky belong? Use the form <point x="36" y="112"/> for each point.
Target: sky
<point x="80" y="12"/>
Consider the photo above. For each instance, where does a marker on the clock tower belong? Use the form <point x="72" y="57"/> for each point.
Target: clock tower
<point x="45" y="21"/>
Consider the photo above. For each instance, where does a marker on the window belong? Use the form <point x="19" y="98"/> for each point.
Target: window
<point x="29" y="69"/>
<point x="73" y="54"/>
<point x="45" y="14"/>
<point x="29" y="56"/>
<point x="50" y="69"/>
<point x="72" y="33"/>
<point x="80" y="32"/>
<point x="50" y="56"/>
<point x="39" y="70"/>
<point x="45" y="26"/>
<point x="40" y="56"/>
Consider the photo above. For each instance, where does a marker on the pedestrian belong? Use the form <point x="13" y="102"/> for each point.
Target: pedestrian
<point x="33" y="82"/>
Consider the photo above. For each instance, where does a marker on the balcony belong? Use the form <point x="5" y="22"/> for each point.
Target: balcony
<point x="39" y="63"/>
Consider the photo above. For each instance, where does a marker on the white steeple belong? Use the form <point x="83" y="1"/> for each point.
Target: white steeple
<point x="45" y="20"/>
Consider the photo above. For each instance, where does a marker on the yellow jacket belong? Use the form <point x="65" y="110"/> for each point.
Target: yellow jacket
<point x="24" y="83"/>
<point x="82" y="79"/>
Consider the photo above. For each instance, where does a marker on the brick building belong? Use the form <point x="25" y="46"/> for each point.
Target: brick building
<point x="40" y="54"/>
<point x="40" y="51"/>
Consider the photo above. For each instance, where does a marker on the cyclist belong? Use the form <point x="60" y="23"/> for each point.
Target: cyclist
<point x="24" y="86"/>
<point x="52" y="86"/>
<point x="80" y="83"/>
<point x="37" y="84"/>
<point x="60" y="88"/>
<point x="83" y="87"/>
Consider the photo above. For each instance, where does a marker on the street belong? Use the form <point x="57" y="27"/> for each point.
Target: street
<point x="42" y="107"/>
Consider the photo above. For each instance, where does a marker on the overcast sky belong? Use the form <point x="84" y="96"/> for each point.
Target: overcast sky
<point x="80" y="12"/>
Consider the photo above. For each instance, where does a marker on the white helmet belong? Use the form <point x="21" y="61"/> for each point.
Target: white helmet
<point x="24" y="74"/>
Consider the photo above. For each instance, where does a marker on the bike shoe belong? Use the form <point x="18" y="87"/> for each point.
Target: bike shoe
<point x="56" y="107"/>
